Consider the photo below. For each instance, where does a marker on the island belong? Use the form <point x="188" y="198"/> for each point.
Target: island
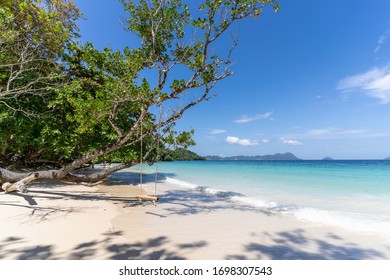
<point x="180" y="154"/>
<point x="327" y="158"/>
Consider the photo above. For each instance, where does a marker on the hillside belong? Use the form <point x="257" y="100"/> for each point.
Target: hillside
<point x="327" y="158"/>
<point x="180" y="154"/>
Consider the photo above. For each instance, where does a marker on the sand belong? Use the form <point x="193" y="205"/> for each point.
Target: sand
<point x="55" y="221"/>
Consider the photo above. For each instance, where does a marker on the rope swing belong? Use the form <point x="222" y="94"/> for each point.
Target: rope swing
<point x="158" y="150"/>
<point x="143" y="196"/>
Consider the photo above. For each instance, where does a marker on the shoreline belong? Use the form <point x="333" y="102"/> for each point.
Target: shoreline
<point x="192" y="225"/>
<point x="77" y="222"/>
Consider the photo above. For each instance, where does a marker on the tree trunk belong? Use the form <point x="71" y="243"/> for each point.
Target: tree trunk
<point x="13" y="177"/>
<point x="21" y="184"/>
<point x="15" y="180"/>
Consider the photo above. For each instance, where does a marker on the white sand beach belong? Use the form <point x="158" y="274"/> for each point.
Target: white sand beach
<point x="56" y="222"/>
<point x="77" y="222"/>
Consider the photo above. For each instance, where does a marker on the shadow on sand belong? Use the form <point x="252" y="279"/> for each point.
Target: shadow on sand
<point x="161" y="248"/>
<point x="291" y="245"/>
<point x="152" y="249"/>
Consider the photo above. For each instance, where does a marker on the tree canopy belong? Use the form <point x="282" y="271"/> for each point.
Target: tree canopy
<point x="64" y="104"/>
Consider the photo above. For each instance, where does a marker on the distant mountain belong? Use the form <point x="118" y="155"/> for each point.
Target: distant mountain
<point x="213" y="158"/>
<point x="327" y="158"/>
<point x="278" y="156"/>
<point x="388" y="158"/>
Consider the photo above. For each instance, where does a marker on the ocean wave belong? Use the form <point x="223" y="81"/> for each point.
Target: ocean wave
<point x="352" y="221"/>
<point x="347" y="220"/>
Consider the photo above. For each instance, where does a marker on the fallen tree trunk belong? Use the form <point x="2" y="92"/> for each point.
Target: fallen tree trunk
<point x="17" y="180"/>
<point x="13" y="176"/>
<point x="20" y="185"/>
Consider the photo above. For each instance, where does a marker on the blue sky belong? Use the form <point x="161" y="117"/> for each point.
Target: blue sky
<point x="312" y="79"/>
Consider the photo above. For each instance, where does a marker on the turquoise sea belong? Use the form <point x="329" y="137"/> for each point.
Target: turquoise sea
<point x="351" y="194"/>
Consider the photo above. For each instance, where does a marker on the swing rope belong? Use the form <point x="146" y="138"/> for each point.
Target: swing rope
<point x="142" y="196"/>
<point x="141" y="160"/>
<point x="158" y="151"/>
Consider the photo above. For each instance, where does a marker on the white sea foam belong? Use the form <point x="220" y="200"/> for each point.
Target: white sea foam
<point x="181" y="183"/>
<point x="256" y="202"/>
<point x="351" y="221"/>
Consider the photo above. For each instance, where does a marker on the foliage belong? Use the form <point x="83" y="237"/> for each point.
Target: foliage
<point x="33" y="37"/>
<point x="67" y="104"/>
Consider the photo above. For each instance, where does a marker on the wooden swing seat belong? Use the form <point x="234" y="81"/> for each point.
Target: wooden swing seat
<point x="147" y="197"/>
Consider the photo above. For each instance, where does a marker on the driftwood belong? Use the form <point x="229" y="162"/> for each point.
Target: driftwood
<point x="20" y="185"/>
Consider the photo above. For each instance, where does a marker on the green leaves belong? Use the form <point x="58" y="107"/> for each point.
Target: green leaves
<point x="67" y="101"/>
<point x="157" y="23"/>
<point x="46" y="29"/>
<point x="176" y="139"/>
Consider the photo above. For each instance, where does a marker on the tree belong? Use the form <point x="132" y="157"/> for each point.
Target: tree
<point x="33" y="36"/>
<point x="108" y="107"/>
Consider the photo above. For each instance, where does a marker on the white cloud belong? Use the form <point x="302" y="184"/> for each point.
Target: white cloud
<point x="320" y="132"/>
<point x="217" y="131"/>
<point x="337" y="133"/>
<point x="265" y="141"/>
<point x="353" y="132"/>
<point x="382" y="40"/>
<point x="290" y="141"/>
<point x="241" y="142"/>
<point x="374" y="83"/>
<point x="246" y="119"/>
